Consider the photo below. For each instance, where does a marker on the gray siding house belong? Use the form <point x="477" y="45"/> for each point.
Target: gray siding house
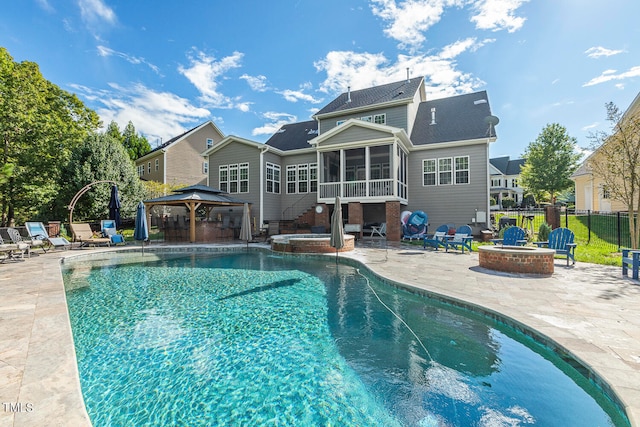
<point x="383" y="150"/>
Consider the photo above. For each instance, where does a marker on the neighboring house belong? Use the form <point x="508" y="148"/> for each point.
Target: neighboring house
<point x="591" y="194"/>
<point x="505" y="174"/>
<point x="179" y="161"/>
<point x="383" y="150"/>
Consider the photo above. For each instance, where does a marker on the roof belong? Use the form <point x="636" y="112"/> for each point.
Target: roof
<point x="392" y="92"/>
<point x="294" y="136"/>
<point x="199" y="193"/>
<point x="507" y="166"/>
<point x="180" y="137"/>
<point x="457" y="118"/>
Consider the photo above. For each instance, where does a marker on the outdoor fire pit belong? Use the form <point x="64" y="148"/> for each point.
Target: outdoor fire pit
<point x="517" y="259"/>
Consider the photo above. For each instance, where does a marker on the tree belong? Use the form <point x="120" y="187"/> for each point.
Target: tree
<point x="616" y="162"/>
<point x="549" y="162"/>
<point x="136" y="145"/>
<point x="101" y="157"/>
<point x="39" y="126"/>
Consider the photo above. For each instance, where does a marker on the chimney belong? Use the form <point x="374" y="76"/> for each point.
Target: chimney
<point x="348" y="93"/>
<point x="433" y="115"/>
<point x="408" y="75"/>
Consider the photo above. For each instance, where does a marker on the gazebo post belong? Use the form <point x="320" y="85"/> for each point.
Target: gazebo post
<point x="192" y="222"/>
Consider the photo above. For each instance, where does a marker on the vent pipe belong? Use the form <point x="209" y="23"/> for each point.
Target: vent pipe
<point x="408" y="75"/>
<point x="348" y="93"/>
<point x="433" y="115"/>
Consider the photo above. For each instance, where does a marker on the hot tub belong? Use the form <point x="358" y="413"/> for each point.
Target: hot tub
<point x="309" y="243"/>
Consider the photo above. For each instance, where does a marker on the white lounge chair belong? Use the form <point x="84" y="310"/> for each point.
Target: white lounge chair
<point x="40" y="237"/>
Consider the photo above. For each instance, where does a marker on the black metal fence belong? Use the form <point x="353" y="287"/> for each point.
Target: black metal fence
<point x="607" y="229"/>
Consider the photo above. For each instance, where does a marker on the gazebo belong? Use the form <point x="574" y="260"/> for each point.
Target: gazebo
<point x="194" y="197"/>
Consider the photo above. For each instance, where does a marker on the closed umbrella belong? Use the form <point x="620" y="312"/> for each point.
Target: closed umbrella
<point x="141" y="231"/>
<point x="337" y="229"/>
<point x="114" y="206"/>
<point x="245" y="229"/>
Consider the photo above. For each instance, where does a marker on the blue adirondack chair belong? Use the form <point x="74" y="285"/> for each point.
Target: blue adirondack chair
<point x="513" y="236"/>
<point x="462" y="239"/>
<point x="437" y="240"/>
<point x="561" y="240"/>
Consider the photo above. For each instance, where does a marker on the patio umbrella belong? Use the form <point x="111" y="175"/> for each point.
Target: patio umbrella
<point x="141" y="231"/>
<point x="114" y="206"/>
<point x="337" y="230"/>
<point x="245" y="229"/>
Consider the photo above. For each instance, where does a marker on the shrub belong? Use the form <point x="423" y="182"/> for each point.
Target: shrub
<point x="508" y="202"/>
<point x="543" y="232"/>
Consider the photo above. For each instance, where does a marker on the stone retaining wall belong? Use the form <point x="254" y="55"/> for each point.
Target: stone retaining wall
<point x="517" y="259"/>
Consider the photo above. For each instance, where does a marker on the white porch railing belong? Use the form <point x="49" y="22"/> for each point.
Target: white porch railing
<point x="378" y="189"/>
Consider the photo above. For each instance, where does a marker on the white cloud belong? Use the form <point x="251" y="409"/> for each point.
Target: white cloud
<point x="45" y="5"/>
<point x="408" y="20"/>
<point x="299" y="95"/>
<point x="275" y="122"/>
<point x="95" y="10"/>
<point x="257" y="83"/>
<point x="498" y="15"/>
<point x="105" y="52"/>
<point x="363" y="70"/>
<point x="599" y="51"/>
<point x="204" y="73"/>
<point x="609" y="75"/>
<point x="157" y="115"/>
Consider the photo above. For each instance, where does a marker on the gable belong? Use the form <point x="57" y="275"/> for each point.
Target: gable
<point x="355" y="134"/>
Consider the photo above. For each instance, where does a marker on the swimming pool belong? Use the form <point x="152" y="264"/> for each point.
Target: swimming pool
<point x="258" y="339"/>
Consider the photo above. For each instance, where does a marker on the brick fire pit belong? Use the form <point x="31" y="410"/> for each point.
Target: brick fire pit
<point x="517" y="259"/>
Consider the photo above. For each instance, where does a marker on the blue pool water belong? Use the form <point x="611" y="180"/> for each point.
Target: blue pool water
<point x="254" y="339"/>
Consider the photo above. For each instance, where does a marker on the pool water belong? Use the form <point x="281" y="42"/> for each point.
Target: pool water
<point x="254" y="339"/>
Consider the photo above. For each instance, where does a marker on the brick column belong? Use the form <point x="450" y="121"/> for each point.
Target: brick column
<point x="394" y="231"/>
<point x="355" y="215"/>
<point x="323" y="218"/>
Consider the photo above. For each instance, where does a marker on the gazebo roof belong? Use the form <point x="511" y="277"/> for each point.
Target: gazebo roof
<point x="201" y="194"/>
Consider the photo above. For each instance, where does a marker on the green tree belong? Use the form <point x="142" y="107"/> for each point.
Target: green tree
<point x="39" y="126"/>
<point x="549" y="162"/>
<point x="101" y="157"/>
<point x="113" y="130"/>
<point x="136" y="145"/>
<point x="616" y="161"/>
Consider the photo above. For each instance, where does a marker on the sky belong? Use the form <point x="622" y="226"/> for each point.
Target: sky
<point x="251" y="66"/>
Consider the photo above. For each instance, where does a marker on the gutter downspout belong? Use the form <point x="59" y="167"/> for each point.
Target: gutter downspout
<point x="263" y="150"/>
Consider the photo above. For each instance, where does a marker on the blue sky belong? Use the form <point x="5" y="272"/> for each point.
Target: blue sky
<point x="251" y="66"/>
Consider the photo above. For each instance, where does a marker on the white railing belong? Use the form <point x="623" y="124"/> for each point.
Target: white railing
<point x="358" y="190"/>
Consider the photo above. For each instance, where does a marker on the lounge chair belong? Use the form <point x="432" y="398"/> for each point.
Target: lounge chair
<point x="82" y="233"/>
<point x="460" y="240"/>
<point x="10" y="251"/>
<point x="21" y="245"/>
<point x="108" y="227"/>
<point x="40" y="237"/>
<point x="437" y="240"/>
<point x="513" y="236"/>
<point x="380" y="230"/>
<point x="561" y="241"/>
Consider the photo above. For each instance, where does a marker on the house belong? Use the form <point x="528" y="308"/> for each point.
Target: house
<point x="383" y="150"/>
<point x="591" y="193"/>
<point x="505" y="174"/>
<point x="178" y="161"/>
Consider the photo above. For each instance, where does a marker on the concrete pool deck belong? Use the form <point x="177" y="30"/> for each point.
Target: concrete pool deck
<point x="590" y="310"/>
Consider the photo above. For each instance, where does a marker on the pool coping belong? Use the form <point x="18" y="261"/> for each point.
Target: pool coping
<point x="37" y="356"/>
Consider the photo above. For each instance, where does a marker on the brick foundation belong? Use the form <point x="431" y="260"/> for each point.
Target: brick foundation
<point x="517" y="259"/>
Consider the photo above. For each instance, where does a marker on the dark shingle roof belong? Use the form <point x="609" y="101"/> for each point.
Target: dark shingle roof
<point x="507" y="166"/>
<point x="294" y="136"/>
<point x="404" y="90"/>
<point x="457" y="118"/>
<point x="172" y="140"/>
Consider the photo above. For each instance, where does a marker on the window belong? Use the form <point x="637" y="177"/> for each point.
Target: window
<point x="149" y="168"/>
<point x="205" y="167"/>
<point x="514" y="183"/>
<point x="339" y="122"/>
<point x="380" y="119"/>
<point x="157" y="165"/>
<point x="303" y="178"/>
<point x="223" y="177"/>
<point x="366" y="118"/>
<point x="291" y="179"/>
<point x="140" y="170"/>
<point x="209" y="142"/>
<point x="606" y="194"/>
<point x="234" y="178"/>
<point x="445" y="170"/>
<point x="313" y="177"/>
<point x="462" y="169"/>
<point x="429" y="172"/>
<point x="273" y="178"/>
<point x="496" y="182"/>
